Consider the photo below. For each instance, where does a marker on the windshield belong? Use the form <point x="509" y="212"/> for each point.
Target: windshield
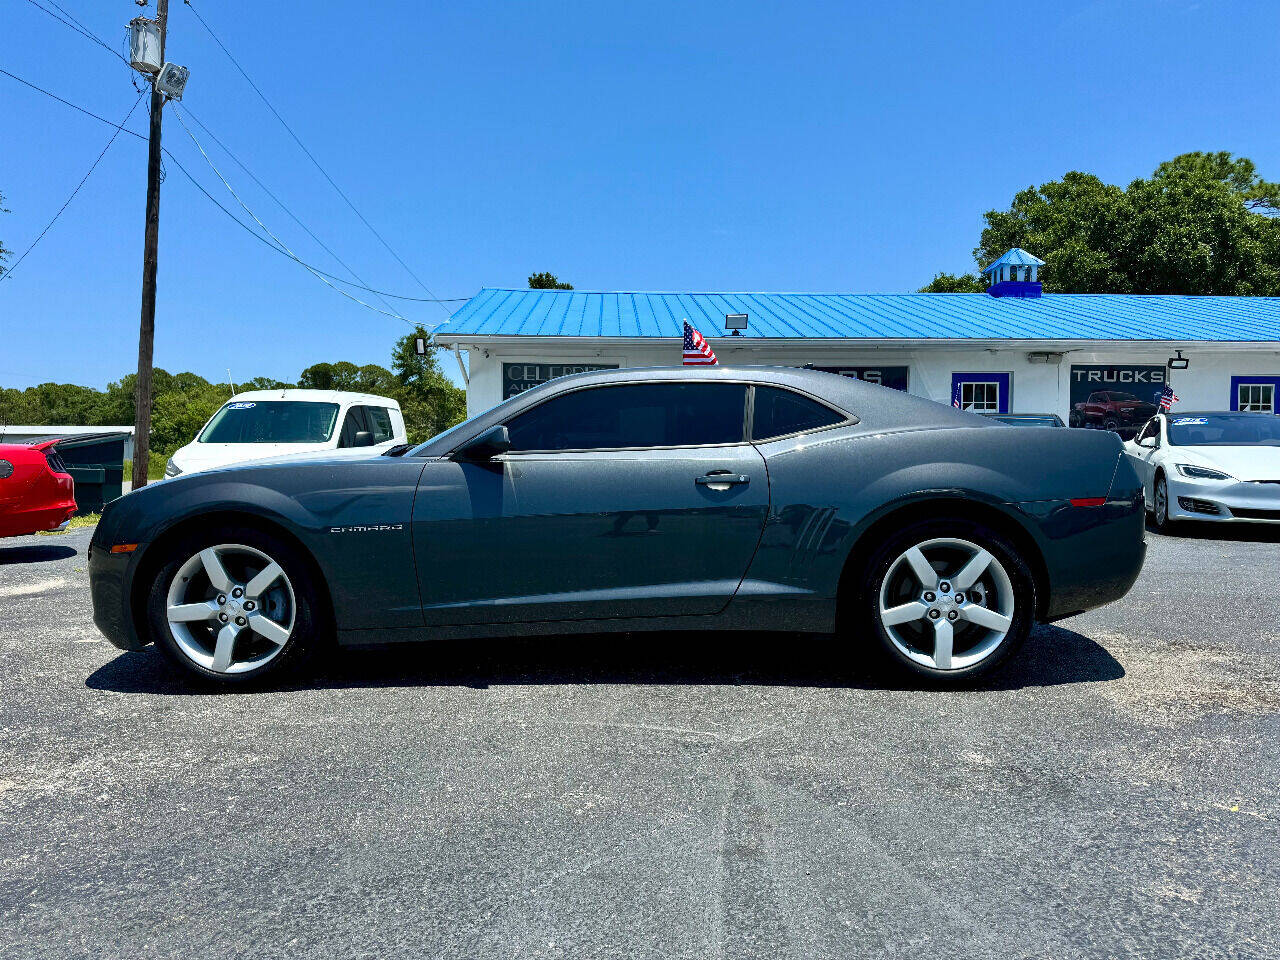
<point x="272" y="421"/>
<point x="1225" y="430"/>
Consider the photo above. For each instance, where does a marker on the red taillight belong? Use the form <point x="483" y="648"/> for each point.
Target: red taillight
<point x="1088" y="501"/>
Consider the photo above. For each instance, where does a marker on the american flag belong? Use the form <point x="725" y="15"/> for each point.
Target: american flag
<point x="955" y="395"/>
<point x="1167" y="399"/>
<point x="697" y="352"/>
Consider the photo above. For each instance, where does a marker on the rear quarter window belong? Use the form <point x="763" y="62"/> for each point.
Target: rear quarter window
<point x="780" y="412"/>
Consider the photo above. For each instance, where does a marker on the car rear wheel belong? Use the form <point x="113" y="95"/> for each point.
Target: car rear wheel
<point x="1112" y="424"/>
<point x="233" y="605"/>
<point x="949" y="599"/>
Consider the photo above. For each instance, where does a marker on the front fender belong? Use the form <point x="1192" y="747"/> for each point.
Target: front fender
<point x="352" y="518"/>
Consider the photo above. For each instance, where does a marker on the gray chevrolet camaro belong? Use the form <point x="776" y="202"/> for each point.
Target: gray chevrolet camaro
<point x="754" y="498"/>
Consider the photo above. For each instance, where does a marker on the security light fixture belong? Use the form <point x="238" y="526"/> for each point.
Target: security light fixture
<point x="735" y="323"/>
<point x="172" y="80"/>
<point x="1179" y="362"/>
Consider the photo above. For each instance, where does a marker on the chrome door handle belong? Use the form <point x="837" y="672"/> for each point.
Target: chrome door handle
<point x="724" y="478"/>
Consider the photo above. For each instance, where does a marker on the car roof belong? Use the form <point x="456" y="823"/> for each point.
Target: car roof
<point x="315" y="396"/>
<point x="877" y="408"/>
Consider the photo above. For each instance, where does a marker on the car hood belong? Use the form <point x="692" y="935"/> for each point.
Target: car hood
<point x="1243" y="462"/>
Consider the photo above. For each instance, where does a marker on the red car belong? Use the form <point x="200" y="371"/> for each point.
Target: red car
<point x="36" y="492"/>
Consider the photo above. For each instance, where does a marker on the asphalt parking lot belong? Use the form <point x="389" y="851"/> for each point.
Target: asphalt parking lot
<point x="1114" y="792"/>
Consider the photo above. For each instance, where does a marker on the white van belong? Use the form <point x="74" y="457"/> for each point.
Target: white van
<point x="273" y="423"/>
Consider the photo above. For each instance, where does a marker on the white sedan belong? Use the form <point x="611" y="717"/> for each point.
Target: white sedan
<point x="1209" y="466"/>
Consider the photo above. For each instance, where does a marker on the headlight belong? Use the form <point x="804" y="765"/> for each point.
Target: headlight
<point x="1201" y="473"/>
<point x="171" y="469"/>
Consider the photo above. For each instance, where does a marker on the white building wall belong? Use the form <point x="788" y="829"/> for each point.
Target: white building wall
<point x="1035" y="387"/>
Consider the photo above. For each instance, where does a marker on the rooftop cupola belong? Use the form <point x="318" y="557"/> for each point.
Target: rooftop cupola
<point x="1016" y="274"/>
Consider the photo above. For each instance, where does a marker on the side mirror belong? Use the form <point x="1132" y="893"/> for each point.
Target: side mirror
<point x="488" y="445"/>
<point x="1148" y="442"/>
<point x="363" y="438"/>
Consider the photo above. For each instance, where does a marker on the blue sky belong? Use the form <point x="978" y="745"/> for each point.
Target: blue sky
<point x="659" y="146"/>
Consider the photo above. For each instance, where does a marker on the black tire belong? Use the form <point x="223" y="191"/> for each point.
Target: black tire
<point x="303" y="641"/>
<point x="1075" y="419"/>
<point x="1112" y="424"/>
<point x="883" y="558"/>
<point x="1160" y="508"/>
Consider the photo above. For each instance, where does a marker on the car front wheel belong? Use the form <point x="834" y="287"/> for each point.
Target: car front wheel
<point x="949" y="599"/>
<point x="233" y="605"/>
<point x="1160" y="508"/>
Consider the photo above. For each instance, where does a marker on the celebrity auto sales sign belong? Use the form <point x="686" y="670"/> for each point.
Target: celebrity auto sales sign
<point x="519" y="377"/>
<point x="1144" y="381"/>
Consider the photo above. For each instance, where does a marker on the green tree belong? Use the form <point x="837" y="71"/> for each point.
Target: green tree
<point x="1201" y="224"/>
<point x="263" y="383"/>
<point x="547" y="281"/>
<point x="179" y="411"/>
<point x="429" y="401"/>
<point x="1238" y="173"/>
<point x="953" y="283"/>
<point x="345" y="375"/>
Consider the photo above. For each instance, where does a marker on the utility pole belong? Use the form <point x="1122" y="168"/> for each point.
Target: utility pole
<point x="147" y="327"/>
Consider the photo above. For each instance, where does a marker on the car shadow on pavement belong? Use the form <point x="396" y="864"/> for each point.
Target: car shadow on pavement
<point x="36" y="553"/>
<point x="1052" y="656"/>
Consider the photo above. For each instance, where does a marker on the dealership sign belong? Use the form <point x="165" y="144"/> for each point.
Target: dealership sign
<point x="1144" y="381"/>
<point x="895" y="377"/>
<point x="519" y="377"/>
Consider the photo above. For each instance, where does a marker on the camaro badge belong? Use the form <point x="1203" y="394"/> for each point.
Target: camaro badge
<point x="367" y="528"/>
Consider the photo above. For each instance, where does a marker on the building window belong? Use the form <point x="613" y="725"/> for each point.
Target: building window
<point x="980" y="397"/>
<point x="1256" y="397"/>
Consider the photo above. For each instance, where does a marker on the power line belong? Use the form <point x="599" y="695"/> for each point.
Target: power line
<point x="304" y="149"/>
<point x="214" y="200"/>
<point x="280" y="203"/>
<point x="75" y="25"/>
<point x="265" y="229"/>
<point x="9" y="273"/>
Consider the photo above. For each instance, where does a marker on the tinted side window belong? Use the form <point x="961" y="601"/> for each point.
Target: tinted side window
<point x="780" y="412"/>
<point x="379" y="420"/>
<point x="634" y="415"/>
<point x="351" y="424"/>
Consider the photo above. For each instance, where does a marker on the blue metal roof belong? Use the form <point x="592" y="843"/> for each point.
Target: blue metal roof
<point x="1017" y="257"/>
<point x="867" y="316"/>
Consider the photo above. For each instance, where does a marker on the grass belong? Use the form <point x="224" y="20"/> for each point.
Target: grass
<point x="86" y="520"/>
<point x="155" y="467"/>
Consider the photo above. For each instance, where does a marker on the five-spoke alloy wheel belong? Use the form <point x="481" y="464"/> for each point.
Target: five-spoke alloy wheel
<point x="227" y="606"/>
<point x="949" y="598"/>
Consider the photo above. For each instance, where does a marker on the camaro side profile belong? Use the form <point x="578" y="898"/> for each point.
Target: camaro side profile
<point x="623" y="500"/>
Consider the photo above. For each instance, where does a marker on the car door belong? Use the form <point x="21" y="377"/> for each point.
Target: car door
<point x="352" y="424"/>
<point x="1144" y="457"/>
<point x="379" y="424"/>
<point x="615" y="500"/>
